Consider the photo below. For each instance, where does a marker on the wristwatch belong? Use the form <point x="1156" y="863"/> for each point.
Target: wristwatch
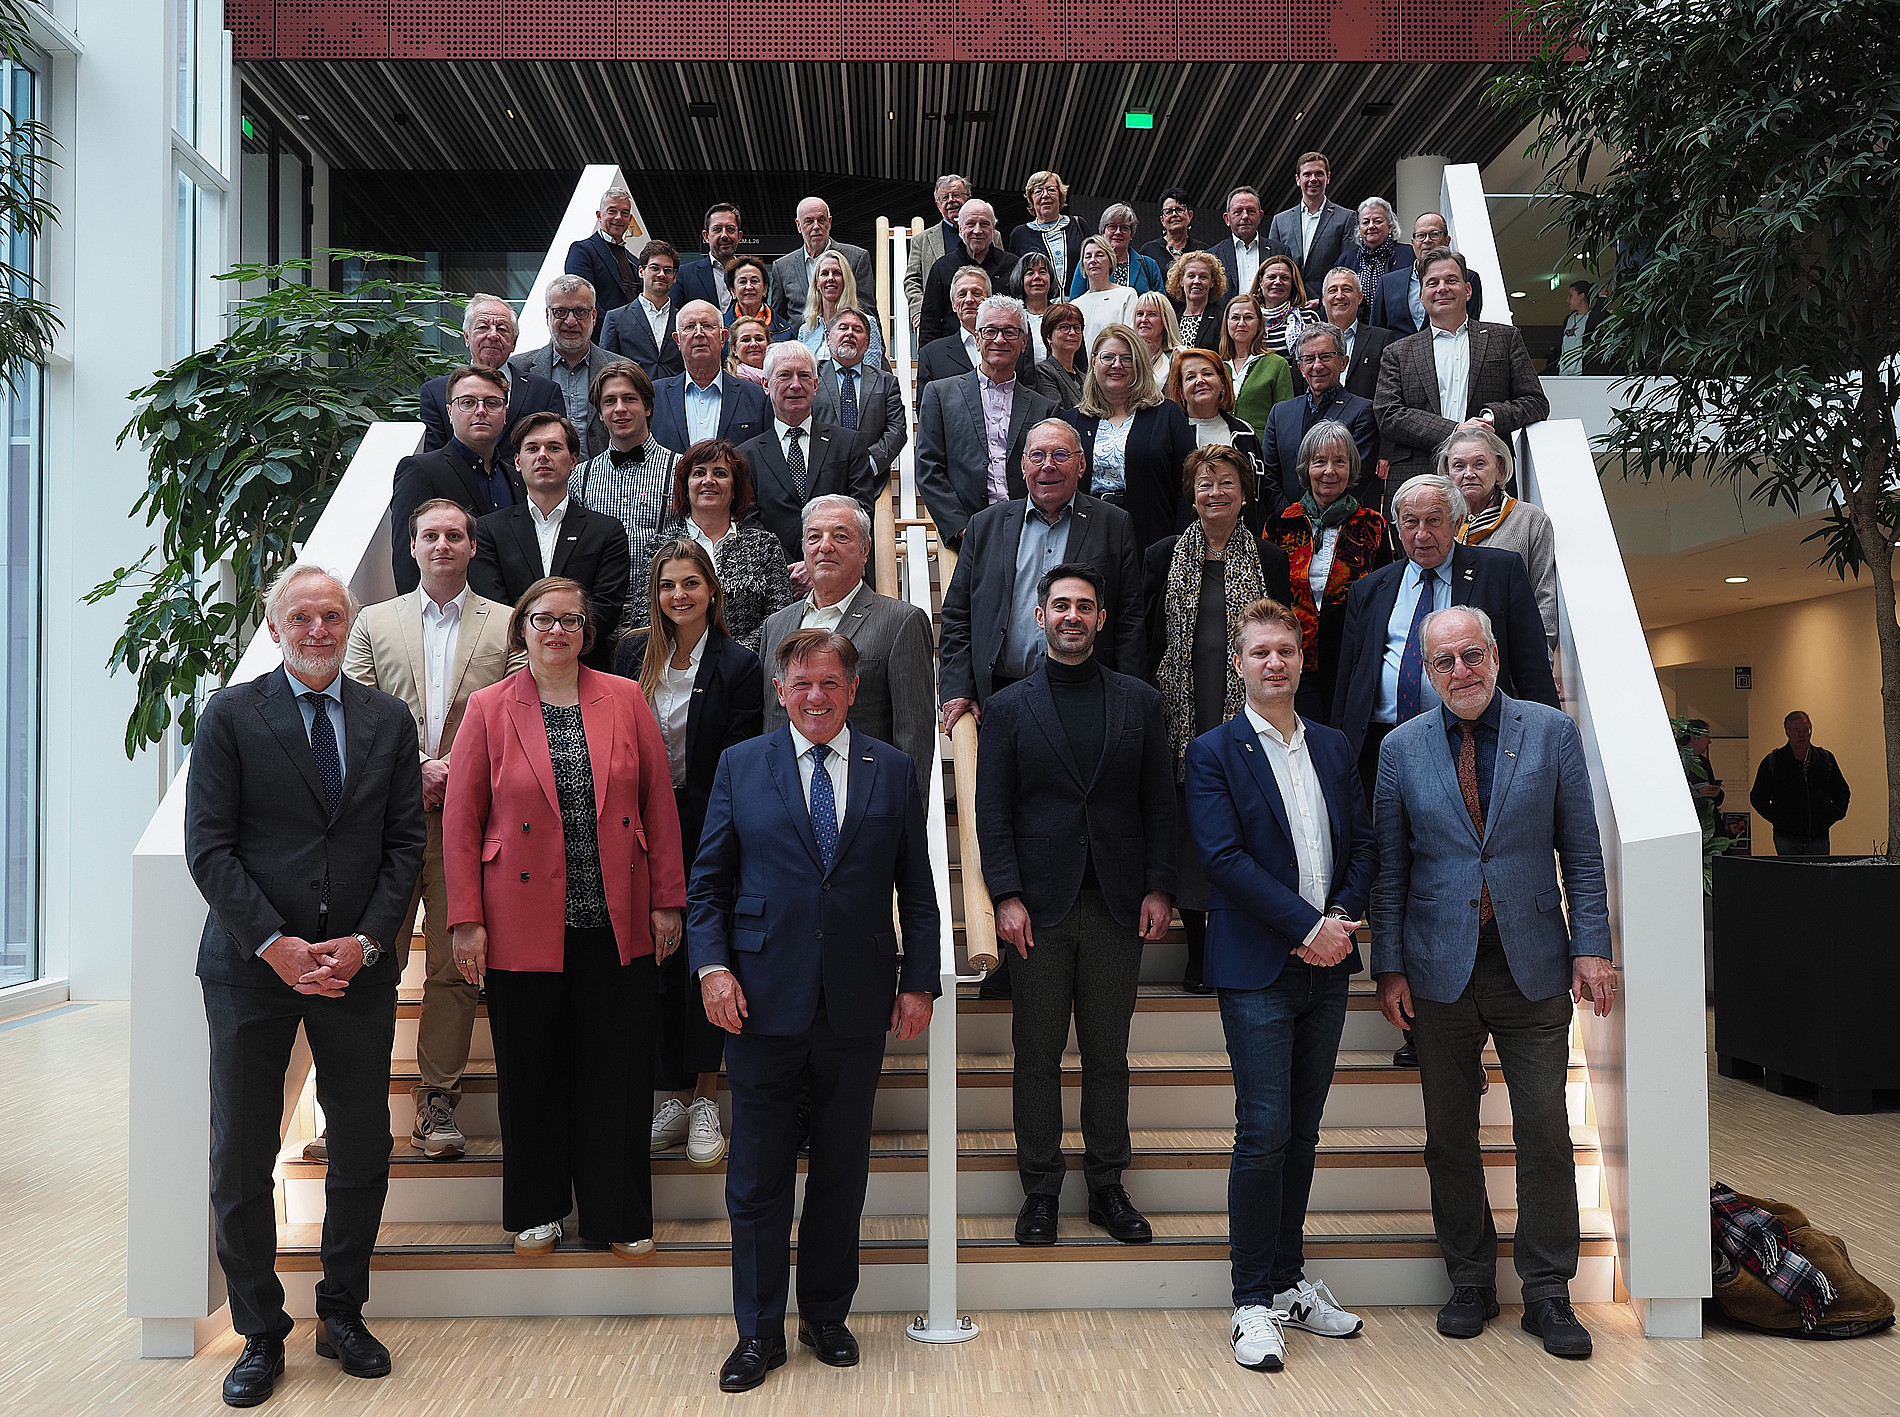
<point x="372" y="952"/>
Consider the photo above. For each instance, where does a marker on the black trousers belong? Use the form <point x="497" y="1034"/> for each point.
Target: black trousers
<point x="770" y="1078"/>
<point x="574" y="1069"/>
<point x="1369" y="757"/>
<point x="252" y="1031"/>
<point x="687" y="1043"/>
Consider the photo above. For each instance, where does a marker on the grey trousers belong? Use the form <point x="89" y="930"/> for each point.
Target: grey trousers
<point x="1089" y="966"/>
<point x="1533" y="1042"/>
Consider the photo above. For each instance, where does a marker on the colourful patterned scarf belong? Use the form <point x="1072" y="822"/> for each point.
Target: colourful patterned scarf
<point x="1245" y="583"/>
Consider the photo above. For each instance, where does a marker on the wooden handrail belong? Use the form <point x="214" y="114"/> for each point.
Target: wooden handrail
<point x="979" y="914"/>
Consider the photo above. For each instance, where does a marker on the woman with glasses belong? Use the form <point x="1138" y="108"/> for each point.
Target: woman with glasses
<point x="1036" y="284"/>
<point x="1128" y="266"/>
<point x="706" y="691"/>
<point x="834" y="288"/>
<point x="1102" y="301"/>
<point x="712" y="504"/>
<point x="1050" y="232"/>
<point x="1480" y="462"/>
<point x="561" y="844"/>
<point x="1135" y="440"/>
<point x="1060" y="374"/>
<point x="1197" y="284"/>
<point x="1154" y="321"/>
<point x="1262" y="377"/>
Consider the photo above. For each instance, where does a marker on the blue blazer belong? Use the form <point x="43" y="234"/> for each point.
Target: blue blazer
<point x="626" y="333"/>
<point x="1280" y="447"/>
<point x="593" y="261"/>
<point x="698" y="281"/>
<point x="1432" y="862"/>
<point x="1255" y="915"/>
<point x="1144" y="274"/>
<point x="761" y="903"/>
<point x="1392" y="302"/>
<point x="744" y="411"/>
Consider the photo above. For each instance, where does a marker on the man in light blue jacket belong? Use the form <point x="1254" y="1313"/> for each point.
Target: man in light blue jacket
<point x="1480" y="803"/>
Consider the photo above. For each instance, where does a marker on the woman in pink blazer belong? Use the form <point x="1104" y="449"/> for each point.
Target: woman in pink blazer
<point x="561" y="844"/>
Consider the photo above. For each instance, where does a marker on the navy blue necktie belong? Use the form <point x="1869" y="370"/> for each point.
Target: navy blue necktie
<point x="848" y="397"/>
<point x="1412" y="662"/>
<point x="824" y="806"/>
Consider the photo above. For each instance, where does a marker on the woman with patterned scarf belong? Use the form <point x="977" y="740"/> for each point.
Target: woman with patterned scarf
<point x="1197" y="585"/>
<point x="1330" y="541"/>
<point x="1480" y="462"/>
<point x="1052" y="232"/>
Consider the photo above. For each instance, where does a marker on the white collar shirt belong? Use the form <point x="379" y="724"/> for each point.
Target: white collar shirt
<point x="547" y="530"/>
<point x="828" y="617"/>
<point x="441" y="634"/>
<point x="969" y="346"/>
<point x="784" y="431"/>
<point x="673" y="704"/>
<point x="1305" y="804"/>
<point x="1247" y="260"/>
<point x="837" y="766"/>
<point x="1309" y="225"/>
<point x="1451" y="353"/>
<point x="656" y="316"/>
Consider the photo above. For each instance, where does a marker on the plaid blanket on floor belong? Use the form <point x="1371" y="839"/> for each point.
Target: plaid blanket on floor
<point x="1749" y="1236"/>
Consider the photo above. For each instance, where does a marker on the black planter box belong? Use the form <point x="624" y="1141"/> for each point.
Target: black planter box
<point x="1806" y="969"/>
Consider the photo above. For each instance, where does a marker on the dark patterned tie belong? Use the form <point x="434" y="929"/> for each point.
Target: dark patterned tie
<point x="1412" y="662"/>
<point x="795" y="460"/>
<point x="848" y="397"/>
<point x="1468" y="785"/>
<point x="824" y="806"/>
<point x="629" y="273"/>
<point x="329" y="768"/>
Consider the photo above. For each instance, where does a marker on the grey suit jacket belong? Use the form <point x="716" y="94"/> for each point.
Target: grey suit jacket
<point x="925" y="252"/>
<point x="1411" y="424"/>
<point x="897" y="685"/>
<point x="785" y="292"/>
<point x="882" y="427"/>
<point x="1338" y="227"/>
<point x="953" y="460"/>
<point x="540" y="362"/>
<point x="1433" y="863"/>
<point x="259" y="840"/>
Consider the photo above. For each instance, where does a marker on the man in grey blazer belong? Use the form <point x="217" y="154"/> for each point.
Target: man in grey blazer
<point x="1314" y="229"/>
<point x="859" y="399"/>
<point x="926" y="249"/>
<point x="1481" y="803"/>
<point x="970" y="429"/>
<point x="791" y="273"/>
<point x="897" y="686"/>
<point x="304" y="833"/>
<point x="570" y="358"/>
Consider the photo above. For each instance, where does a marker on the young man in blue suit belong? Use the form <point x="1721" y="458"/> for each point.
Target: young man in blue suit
<point x="1280" y="818"/>
<point x="1481" y="801"/>
<point x="807" y="831"/>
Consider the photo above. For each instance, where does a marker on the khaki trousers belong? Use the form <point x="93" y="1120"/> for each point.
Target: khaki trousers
<point x="448" y="1000"/>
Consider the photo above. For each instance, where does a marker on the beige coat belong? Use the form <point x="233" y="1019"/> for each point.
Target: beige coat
<point x="385" y="652"/>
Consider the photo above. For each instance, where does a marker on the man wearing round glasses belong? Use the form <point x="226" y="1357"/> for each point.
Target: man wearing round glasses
<point x="1322" y="361"/>
<point x="571" y="358"/>
<point x="471" y="468"/>
<point x="491" y="332"/>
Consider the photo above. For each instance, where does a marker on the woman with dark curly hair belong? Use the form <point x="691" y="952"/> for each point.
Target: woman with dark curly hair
<point x="713" y="505"/>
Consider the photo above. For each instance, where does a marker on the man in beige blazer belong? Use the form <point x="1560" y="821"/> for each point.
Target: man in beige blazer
<point x="432" y="648"/>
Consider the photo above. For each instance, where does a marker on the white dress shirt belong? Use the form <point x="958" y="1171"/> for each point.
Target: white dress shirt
<point x="712" y="547"/>
<point x="785" y="442"/>
<point x="1451" y="353"/>
<point x="1247" y="261"/>
<point x="441" y="632"/>
<point x="828" y="617"/>
<point x="969" y="347"/>
<point x="656" y="320"/>
<point x="547" y="530"/>
<point x="1309" y="223"/>
<point x="672" y="705"/>
<point x="1306" y="813"/>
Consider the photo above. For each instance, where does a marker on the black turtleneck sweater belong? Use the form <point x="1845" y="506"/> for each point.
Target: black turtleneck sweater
<point x="1082" y="705"/>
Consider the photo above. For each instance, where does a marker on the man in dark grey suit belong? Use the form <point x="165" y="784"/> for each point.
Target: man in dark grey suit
<point x="304" y="831"/>
<point x="791" y="273"/>
<point x="897" y="692"/>
<point x="861" y="400"/>
<point x="1314" y="229"/>
<point x="970" y="429"/>
<point x="570" y="358"/>
<point x="799" y="456"/>
<point x="642" y="330"/>
<point x="1074" y="754"/>
<point x="926" y="249"/>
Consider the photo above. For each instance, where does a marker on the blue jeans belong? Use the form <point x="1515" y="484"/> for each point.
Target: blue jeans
<point x="1283" y="1041"/>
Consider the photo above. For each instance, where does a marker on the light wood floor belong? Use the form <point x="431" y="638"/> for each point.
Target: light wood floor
<point x="67" y="1347"/>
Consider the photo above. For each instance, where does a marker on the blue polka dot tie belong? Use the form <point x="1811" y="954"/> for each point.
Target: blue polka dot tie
<point x="848" y="398"/>
<point x="824" y="806"/>
<point x="1412" y="662"/>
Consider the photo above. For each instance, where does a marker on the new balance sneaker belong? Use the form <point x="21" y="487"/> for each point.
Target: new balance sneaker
<point x="1312" y="1307"/>
<point x="705" y="1143"/>
<point x="435" y="1134"/>
<point x="538" y="1239"/>
<point x="1259" y="1339"/>
<point x="670" y="1125"/>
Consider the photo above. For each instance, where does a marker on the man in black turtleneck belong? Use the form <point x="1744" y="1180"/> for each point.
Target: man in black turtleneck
<point x="1075" y="756"/>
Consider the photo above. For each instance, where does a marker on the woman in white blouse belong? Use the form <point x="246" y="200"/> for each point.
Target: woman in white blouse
<point x="1103" y="303"/>
<point x="707" y="691"/>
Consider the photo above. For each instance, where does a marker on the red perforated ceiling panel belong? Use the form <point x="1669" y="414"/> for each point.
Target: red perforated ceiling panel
<point x="335" y="29"/>
<point x="419" y="30"/>
<point x="252" y="25"/>
<point x="784" y="30"/>
<point x="671" y="29"/>
<point x="1021" y="32"/>
<point x="573" y="29"/>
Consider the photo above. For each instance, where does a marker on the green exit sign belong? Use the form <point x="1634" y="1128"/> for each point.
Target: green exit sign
<point x="1138" y="120"/>
<point x="249" y="132"/>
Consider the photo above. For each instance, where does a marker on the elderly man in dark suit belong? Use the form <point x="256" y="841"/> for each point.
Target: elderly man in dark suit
<point x="1397" y="301"/>
<point x="1483" y="803"/>
<point x="798" y="457"/>
<point x="859" y="399"/>
<point x="1456" y="371"/>
<point x="570" y="358"/>
<point x="808" y="831"/>
<point x="1075" y="814"/>
<point x="490" y="329"/>
<point x="955" y="352"/>
<point x="304" y="831"/>
<point x="704" y="401"/>
<point x="642" y="329"/>
<point x="977" y="245"/>
<point x="1343" y="298"/>
<point x="970" y="429"/>
<point x="791" y="273"/>
<point x="1322" y="359"/>
<point x="603" y="259"/>
<point x="705" y="278"/>
<point x="1245" y="246"/>
<point x="473" y="469"/>
<point x="1315" y="229"/>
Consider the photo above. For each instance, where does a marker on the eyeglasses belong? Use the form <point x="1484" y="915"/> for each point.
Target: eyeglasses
<point x="1471" y="657"/>
<point x="468" y="403"/>
<point x="569" y="312"/>
<point x="1005" y="334"/>
<point x="1177" y="211"/>
<point x="1111" y="360"/>
<point x="1307" y="361"/>
<point x="544" y="621"/>
<point x="1059" y="456"/>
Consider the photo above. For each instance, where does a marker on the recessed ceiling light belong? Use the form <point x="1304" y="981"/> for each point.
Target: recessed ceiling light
<point x="1736" y="580"/>
<point x="1518" y="295"/>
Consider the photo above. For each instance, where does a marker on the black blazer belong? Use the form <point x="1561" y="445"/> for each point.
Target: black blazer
<point x="938" y="319"/>
<point x="626" y="333"/>
<point x="1224" y="249"/>
<point x="1280" y="447"/>
<point x="698" y="280"/>
<point x="259" y="840"/>
<point x="1392" y="301"/>
<point x="593" y="261"/>
<point x="1368" y="343"/>
<point x="1275" y="569"/>
<point x="727" y="708"/>
<point x="591" y="548"/>
<point x="529" y="393"/>
<point x="1041" y="817"/>
<point x="1158" y="446"/>
<point x="1158" y="252"/>
<point x="977" y="605"/>
<point x="446" y="472"/>
<point x="830" y="466"/>
<point x="1208" y="336"/>
<point x="1493" y="581"/>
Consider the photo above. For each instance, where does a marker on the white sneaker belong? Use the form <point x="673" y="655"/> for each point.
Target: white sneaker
<point x="669" y="1125"/>
<point x="1259" y="1342"/>
<point x="705" y="1143"/>
<point x="538" y="1239"/>
<point x="1312" y="1307"/>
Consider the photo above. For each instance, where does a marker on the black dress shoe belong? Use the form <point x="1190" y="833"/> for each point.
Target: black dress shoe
<point x="1465" y="1312"/>
<point x="1554" y="1321"/>
<point x="1406" y="1054"/>
<point x="349" y="1340"/>
<point x="1195" y="986"/>
<point x="254" y="1376"/>
<point x="1036" y="1221"/>
<point x="1111" y="1209"/>
<point x="831" y="1340"/>
<point x="748" y="1363"/>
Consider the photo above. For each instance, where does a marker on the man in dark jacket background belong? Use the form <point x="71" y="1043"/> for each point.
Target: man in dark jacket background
<point x="1800" y="790"/>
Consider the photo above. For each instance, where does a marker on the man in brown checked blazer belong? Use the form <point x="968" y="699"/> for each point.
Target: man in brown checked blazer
<point x="432" y="648"/>
<point x="1454" y="371"/>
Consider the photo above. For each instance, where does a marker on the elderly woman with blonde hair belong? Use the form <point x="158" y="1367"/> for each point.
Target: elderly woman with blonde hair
<point x="1050" y="231"/>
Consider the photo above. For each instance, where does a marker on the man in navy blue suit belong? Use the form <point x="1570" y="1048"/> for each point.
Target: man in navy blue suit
<point x="705" y="279"/>
<point x="1276" y="808"/>
<point x="705" y="401"/>
<point x="808" y="830"/>
<point x="603" y="259"/>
